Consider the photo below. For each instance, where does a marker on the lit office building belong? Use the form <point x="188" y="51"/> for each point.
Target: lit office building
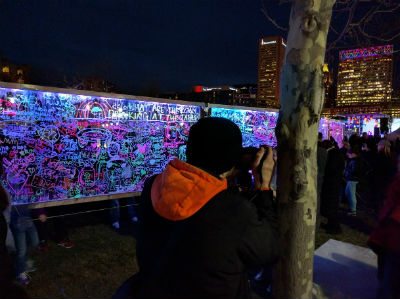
<point x="365" y="76"/>
<point x="271" y="52"/>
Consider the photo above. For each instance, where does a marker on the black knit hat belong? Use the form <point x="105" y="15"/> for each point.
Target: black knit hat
<point x="214" y="145"/>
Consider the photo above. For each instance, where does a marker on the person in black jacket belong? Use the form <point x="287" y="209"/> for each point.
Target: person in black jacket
<point x="8" y="289"/>
<point x="332" y="186"/>
<point x="384" y="171"/>
<point x="369" y="157"/>
<point x="353" y="174"/>
<point x="197" y="237"/>
<point x="4" y="203"/>
<point x="321" y="162"/>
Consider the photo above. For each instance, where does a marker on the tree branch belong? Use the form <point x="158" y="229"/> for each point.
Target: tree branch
<point x="265" y="12"/>
<point x="333" y="29"/>
<point x="384" y="11"/>
<point x="386" y="40"/>
<point x="345" y="29"/>
<point x="367" y="21"/>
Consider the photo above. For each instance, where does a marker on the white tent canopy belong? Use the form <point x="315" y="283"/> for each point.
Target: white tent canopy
<point x="394" y="135"/>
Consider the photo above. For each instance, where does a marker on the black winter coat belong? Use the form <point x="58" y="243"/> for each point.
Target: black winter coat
<point x="333" y="180"/>
<point x="384" y="172"/>
<point x="355" y="170"/>
<point x="321" y="163"/>
<point x="208" y="254"/>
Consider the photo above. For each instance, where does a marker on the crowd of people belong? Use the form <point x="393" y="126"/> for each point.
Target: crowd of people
<point x="360" y="171"/>
<point x="204" y="224"/>
<point x="365" y="170"/>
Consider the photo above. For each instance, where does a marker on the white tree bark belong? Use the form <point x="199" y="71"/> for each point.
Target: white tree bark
<point x="302" y="95"/>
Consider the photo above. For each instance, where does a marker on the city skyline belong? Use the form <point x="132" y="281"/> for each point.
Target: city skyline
<point x="20" y="73"/>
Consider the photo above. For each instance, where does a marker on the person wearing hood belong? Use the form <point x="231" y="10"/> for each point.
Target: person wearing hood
<point x="198" y="238"/>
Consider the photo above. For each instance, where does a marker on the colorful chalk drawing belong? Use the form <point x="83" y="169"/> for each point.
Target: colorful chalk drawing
<point x="257" y="127"/>
<point x="55" y="146"/>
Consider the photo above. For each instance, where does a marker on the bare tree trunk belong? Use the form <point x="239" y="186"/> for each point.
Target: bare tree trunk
<point x="302" y="95"/>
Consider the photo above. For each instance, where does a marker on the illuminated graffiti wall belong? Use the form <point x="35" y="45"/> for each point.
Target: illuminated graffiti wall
<point x="55" y="146"/>
<point x="332" y="128"/>
<point x="258" y="127"/>
<point x="324" y="128"/>
<point x="336" y="130"/>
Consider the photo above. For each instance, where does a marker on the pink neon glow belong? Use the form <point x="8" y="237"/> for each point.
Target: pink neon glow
<point x="366" y="52"/>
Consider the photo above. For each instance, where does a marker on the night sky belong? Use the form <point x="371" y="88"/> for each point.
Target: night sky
<point x="135" y="44"/>
<point x="167" y="45"/>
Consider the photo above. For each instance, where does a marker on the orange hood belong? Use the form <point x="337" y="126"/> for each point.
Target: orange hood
<point x="182" y="189"/>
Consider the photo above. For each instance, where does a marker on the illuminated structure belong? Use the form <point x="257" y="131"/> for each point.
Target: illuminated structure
<point x="257" y="126"/>
<point x="246" y="95"/>
<point x="10" y="72"/>
<point x="382" y="110"/>
<point x="58" y="144"/>
<point x="241" y="95"/>
<point x="359" y="124"/>
<point x="331" y="128"/>
<point x="394" y="106"/>
<point x="329" y="99"/>
<point x="395" y="125"/>
<point x="365" y="76"/>
<point x="224" y="95"/>
<point x="271" y="53"/>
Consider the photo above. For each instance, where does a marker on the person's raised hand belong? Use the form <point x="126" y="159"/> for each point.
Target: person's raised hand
<point x="263" y="167"/>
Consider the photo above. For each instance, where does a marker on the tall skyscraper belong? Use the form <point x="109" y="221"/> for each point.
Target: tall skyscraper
<point x="365" y="76"/>
<point x="271" y="52"/>
<point x="327" y="79"/>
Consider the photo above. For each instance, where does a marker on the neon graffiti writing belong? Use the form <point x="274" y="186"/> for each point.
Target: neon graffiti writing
<point x="55" y="146"/>
<point x="257" y="127"/>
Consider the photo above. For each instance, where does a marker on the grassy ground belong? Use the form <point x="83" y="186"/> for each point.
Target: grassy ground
<point x="355" y="229"/>
<point x="95" y="267"/>
<point x="102" y="258"/>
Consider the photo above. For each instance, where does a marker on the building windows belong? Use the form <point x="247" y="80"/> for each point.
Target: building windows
<point x="364" y="79"/>
<point x="5" y="69"/>
<point x="271" y="54"/>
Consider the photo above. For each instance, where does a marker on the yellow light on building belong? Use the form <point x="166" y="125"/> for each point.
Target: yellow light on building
<point x="365" y="76"/>
<point x="271" y="53"/>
